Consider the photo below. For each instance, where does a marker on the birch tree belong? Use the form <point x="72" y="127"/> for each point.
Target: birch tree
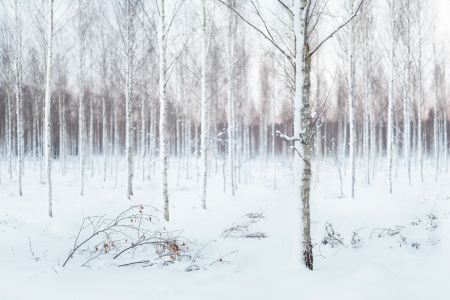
<point x="420" y="4"/>
<point x="81" y="121"/>
<point x="435" y="107"/>
<point x="130" y="12"/>
<point x="163" y="120"/>
<point x="204" y="113"/>
<point x="351" y="100"/>
<point x="47" y="117"/>
<point x="230" y="94"/>
<point x="303" y="127"/>
<point x="18" y="91"/>
<point x="389" y="141"/>
<point x="406" y="88"/>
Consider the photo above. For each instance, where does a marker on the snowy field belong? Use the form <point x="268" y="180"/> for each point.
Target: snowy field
<point x="409" y="261"/>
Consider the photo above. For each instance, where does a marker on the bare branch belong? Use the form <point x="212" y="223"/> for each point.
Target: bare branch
<point x="337" y="28"/>
<point x="262" y="33"/>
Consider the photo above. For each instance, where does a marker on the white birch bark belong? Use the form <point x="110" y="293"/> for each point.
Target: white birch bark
<point x="204" y="113"/>
<point x="163" y="122"/>
<point x="230" y="96"/>
<point x="9" y="133"/>
<point x="64" y="133"/>
<point x="419" y="98"/>
<point x="18" y="88"/>
<point x="302" y="165"/>
<point x="91" y="135"/>
<point x="406" y="96"/>
<point x="81" y="98"/>
<point x="435" y="121"/>
<point x="104" y="125"/>
<point x="128" y="96"/>
<point x="390" y="96"/>
<point x="351" y="103"/>
<point x="61" y="167"/>
<point x="116" y="139"/>
<point x="273" y="138"/>
<point x="48" y="133"/>
<point x="143" y="137"/>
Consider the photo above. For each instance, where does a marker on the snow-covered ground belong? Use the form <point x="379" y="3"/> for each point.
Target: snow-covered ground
<point x="385" y="267"/>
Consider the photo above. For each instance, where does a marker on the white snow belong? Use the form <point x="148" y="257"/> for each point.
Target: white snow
<point x="261" y="269"/>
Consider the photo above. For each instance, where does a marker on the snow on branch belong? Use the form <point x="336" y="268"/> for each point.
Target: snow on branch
<point x="287" y="138"/>
<point x="291" y="141"/>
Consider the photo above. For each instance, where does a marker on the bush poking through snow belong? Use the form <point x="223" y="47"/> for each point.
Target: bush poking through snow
<point x="132" y="232"/>
<point x="433" y="241"/>
<point x="255" y="216"/>
<point x="415" y="245"/>
<point x="417" y="222"/>
<point x="244" y="230"/>
<point x="380" y="232"/>
<point x="357" y="241"/>
<point x="432" y="224"/>
<point x="402" y="241"/>
<point x="332" y="237"/>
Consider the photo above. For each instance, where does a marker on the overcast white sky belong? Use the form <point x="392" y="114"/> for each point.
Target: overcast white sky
<point x="443" y="11"/>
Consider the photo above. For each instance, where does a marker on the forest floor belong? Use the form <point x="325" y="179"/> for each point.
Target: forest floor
<point x="402" y="251"/>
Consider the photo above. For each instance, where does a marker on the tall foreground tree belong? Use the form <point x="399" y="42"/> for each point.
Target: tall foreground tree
<point x="47" y="116"/>
<point x="303" y="127"/>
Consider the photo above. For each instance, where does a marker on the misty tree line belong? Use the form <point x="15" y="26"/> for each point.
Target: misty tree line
<point x="99" y="86"/>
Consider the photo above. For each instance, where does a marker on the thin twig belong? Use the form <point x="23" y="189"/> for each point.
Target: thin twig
<point x="220" y="258"/>
<point x="30" y="246"/>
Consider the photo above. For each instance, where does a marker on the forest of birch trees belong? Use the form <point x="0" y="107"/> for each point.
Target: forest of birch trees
<point x="176" y="90"/>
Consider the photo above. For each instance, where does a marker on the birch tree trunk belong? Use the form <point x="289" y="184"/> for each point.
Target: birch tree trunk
<point x="61" y="167"/>
<point x="116" y="138"/>
<point x="435" y="121"/>
<point x="143" y="136"/>
<point x="302" y="165"/>
<point x="163" y="122"/>
<point x="18" y="78"/>
<point x="230" y="107"/>
<point x="91" y="132"/>
<point x="9" y="137"/>
<point x="104" y="132"/>
<point x="351" y="103"/>
<point x="273" y="138"/>
<point x="406" y="100"/>
<point x="390" y="97"/>
<point x="419" y="98"/>
<point x="64" y="133"/>
<point x="48" y="133"/>
<point x="204" y="113"/>
<point x="129" y="95"/>
<point x="81" y="98"/>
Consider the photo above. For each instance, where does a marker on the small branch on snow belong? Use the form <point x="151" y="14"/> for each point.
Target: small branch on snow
<point x="136" y="262"/>
<point x="220" y="258"/>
